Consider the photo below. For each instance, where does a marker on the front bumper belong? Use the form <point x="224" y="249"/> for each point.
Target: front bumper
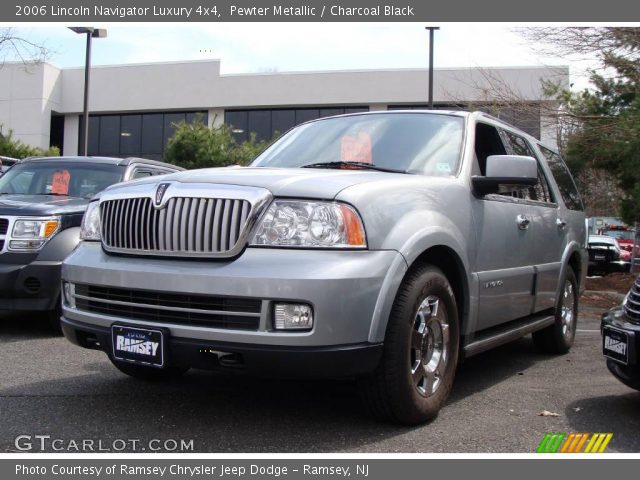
<point x="628" y="373"/>
<point x="351" y="292"/>
<point x="273" y="361"/>
<point x="28" y="284"/>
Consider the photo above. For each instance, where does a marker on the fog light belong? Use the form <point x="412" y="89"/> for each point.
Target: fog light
<point x="69" y="290"/>
<point x="293" y="316"/>
<point x="25" y="244"/>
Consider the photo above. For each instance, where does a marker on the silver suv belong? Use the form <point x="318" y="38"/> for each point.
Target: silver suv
<point x="382" y="246"/>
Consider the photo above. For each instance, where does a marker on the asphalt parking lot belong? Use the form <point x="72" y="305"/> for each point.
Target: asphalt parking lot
<point x="50" y="387"/>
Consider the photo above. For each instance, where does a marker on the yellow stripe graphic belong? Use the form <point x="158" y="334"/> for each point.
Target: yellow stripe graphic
<point x="605" y="442"/>
<point x="594" y="437"/>
<point x="596" y="447"/>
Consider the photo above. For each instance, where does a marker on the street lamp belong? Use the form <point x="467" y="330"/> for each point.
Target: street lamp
<point x="90" y="32"/>
<point x="431" y="30"/>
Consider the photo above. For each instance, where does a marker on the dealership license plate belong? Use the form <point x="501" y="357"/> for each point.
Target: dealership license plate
<point x="615" y="345"/>
<point x="138" y="345"/>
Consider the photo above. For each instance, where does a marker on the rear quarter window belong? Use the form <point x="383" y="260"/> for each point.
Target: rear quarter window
<point x="563" y="178"/>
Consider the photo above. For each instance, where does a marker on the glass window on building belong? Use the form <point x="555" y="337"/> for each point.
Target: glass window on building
<point x="267" y="124"/>
<point x="135" y="135"/>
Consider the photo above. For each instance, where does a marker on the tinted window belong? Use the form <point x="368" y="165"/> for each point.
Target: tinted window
<point x="267" y="124"/>
<point x="282" y="120"/>
<point x="109" y="135"/>
<point x="238" y="121"/>
<point x="306" y="114"/>
<point x="151" y="133"/>
<point x="93" y="147"/>
<point x="415" y="143"/>
<point x="141" y="174"/>
<point x="170" y="120"/>
<point x="260" y="124"/>
<point x="130" y="134"/>
<point x="563" y="178"/>
<point x="73" y="179"/>
<point x="517" y="145"/>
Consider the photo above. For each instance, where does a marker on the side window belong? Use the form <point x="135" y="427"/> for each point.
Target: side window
<point x="488" y="142"/>
<point x="563" y="178"/>
<point x="141" y="174"/>
<point x="517" y="145"/>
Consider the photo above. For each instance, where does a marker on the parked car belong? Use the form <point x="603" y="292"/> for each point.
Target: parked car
<point x="381" y="246"/>
<point x="42" y="201"/>
<point x="606" y="256"/>
<point x="623" y="234"/>
<point x="621" y="338"/>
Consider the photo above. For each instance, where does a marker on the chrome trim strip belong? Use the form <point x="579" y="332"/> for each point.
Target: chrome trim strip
<point x="166" y="308"/>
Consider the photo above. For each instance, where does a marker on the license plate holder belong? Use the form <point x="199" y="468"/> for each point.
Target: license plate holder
<point x="143" y="346"/>
<point x="615" y="344"/>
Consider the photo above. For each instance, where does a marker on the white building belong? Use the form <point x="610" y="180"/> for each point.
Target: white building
<point x="133" y="107"/>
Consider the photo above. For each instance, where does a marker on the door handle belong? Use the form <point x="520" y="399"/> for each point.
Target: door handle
<point x="523" y="222"/>
<point x="561" y="223"/>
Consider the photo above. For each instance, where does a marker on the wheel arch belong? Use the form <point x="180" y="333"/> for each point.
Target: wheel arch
<point x="447" y="259"/>
<point x="575" y="258"/>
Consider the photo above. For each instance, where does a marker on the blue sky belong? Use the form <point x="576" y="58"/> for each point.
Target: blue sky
<point x="260" y="47"/>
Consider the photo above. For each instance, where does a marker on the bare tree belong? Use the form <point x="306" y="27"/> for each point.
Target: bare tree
<point x="14" y="46"/>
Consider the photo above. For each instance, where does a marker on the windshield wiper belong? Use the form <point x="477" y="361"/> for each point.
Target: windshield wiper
<point x="363" y="165"/>
<point x="49" y="193"/>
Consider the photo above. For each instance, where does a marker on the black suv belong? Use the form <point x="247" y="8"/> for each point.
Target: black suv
<point x="621" y="338"/>
<point x="42" y="201"/>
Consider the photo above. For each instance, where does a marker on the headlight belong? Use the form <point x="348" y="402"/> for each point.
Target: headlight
<point x="298" y="223"/>
<point x="90" y="229"/>
<point x="32" y="234"/>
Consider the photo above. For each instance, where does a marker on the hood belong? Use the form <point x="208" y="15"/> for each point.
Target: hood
<point x="320" y="183"/>
<point x="40" y="205"/>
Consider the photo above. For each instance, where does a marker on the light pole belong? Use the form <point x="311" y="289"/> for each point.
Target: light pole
<point x="90" y="32"/>
<point x="431" y="31"/>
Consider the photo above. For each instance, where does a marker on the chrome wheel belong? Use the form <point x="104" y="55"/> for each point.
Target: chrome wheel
<point x="567" y="309"/>
<point x="429" y="346"/>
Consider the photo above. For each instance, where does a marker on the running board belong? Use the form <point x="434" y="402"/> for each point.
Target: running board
<point x="507" y="333"/>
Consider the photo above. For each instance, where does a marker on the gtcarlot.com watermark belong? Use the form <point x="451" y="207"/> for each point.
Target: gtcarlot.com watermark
<point x="47" y="443"/>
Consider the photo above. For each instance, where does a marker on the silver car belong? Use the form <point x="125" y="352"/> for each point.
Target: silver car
<point x="382" y="246"/>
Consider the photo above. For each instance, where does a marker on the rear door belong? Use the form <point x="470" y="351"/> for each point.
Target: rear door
<point x="548" y="231"/>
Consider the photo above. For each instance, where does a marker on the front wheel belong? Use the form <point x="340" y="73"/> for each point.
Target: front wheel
<point x="558" y="338"/>
<point x="420" y="356"/>
<point x="53" y="318"/>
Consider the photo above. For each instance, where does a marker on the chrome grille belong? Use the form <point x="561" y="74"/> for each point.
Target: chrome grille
<point x="632" y="307"/>
<point x="184" y="226"/>
<point x="4" y="226"/>
<point x="170" y="308"/>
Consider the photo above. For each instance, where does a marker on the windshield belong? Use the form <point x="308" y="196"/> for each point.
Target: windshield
<point x="70" y="179"/>
<point x="620" y="234"/>
<point x="419" y="143"/>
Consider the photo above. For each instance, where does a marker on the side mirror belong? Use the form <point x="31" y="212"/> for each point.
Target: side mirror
<point x="506" y="170"/>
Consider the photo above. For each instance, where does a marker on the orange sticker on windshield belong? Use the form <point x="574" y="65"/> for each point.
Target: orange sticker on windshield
<point x="60" y="183"/>
<point x="356" y="149"/>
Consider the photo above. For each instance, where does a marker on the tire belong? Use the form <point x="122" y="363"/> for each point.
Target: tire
<point x="418" y="365"/>
<point x="558" y="338"/>
<point x="53" y="318"/>
<point x="626" y="376"/>
<point x="149" y="373"/>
